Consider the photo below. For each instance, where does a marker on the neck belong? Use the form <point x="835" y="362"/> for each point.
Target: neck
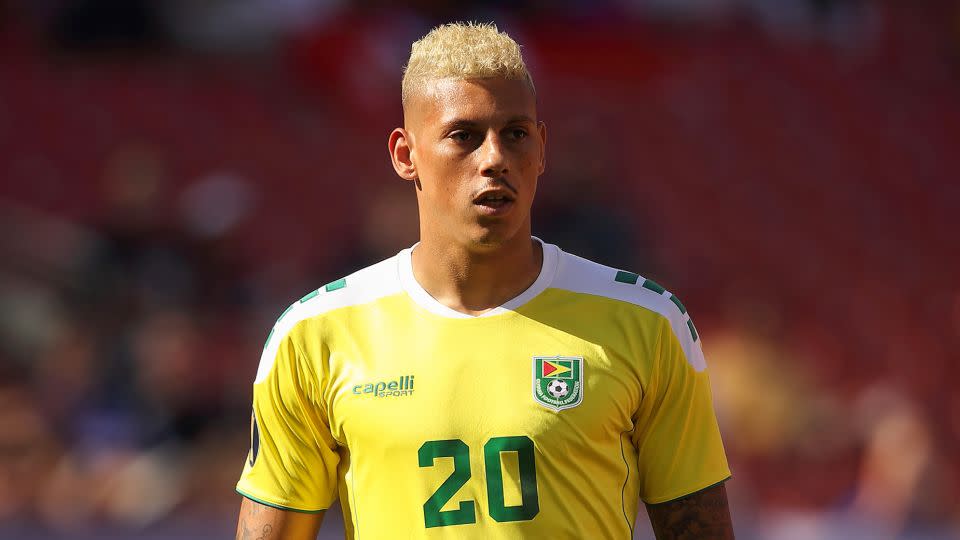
<point x="472" y="281"/>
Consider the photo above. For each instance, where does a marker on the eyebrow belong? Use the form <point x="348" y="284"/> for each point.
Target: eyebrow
<point x="457" y="124"/>
<point x="520" y="118"/>
<point x="461" y="123"/>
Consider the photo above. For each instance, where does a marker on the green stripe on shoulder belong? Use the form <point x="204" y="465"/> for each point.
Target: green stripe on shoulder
<point x="676" y="301"/>
<point x="334" y="285"/>
<point x="652" y="285"/>
<point x="693" y="330"/>
<point x="270" y="335"/>
<point x="284" y="314"/>
<point x="278" y="506"/>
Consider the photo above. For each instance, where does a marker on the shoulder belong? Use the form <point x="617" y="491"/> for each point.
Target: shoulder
<point x="361" y="287"/>
<point x="579" y="275"/>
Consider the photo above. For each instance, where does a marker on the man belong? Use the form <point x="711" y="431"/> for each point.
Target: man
<point x="482" y="384"/>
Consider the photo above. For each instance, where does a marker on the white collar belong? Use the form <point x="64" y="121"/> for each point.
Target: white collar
<point x="551" y="257"/>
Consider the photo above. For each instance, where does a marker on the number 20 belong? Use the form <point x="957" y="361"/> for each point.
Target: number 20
<point x="466" y="513"/>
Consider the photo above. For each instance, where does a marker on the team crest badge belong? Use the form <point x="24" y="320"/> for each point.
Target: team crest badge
<point x="558" y="381"/>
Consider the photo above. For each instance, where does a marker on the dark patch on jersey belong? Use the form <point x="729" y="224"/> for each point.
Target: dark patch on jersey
<point x="254" y="439"/>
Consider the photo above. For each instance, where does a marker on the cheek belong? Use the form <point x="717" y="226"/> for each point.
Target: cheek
<point x="446" y="181"/>
<point x="451" y="173"/>
<point x="529" y="169"/>
<point x="528" y="155"/>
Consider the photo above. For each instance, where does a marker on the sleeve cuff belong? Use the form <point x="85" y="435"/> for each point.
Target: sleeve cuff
<point x="278" y="506"/>
<point x="686" y="492"/>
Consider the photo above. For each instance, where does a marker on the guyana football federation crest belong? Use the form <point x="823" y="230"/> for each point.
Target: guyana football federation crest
<point x="558" y="381"/>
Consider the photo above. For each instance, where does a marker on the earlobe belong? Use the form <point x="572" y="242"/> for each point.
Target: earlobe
<point x="401" y="154"/>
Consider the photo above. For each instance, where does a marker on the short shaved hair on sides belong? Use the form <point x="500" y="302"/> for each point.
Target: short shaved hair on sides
<point x="463" y="51"/>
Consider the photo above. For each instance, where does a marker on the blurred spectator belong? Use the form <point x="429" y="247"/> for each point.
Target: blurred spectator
<point x="29" y="450"/>
<point x="108" y="24"/>
<point x="243" y="25"/>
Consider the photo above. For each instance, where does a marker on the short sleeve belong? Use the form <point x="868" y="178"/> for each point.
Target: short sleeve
<point x="293" y="458"/>
<point x="676" y="434"/>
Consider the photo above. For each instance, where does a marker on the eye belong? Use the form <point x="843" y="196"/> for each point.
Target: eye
<point x="518" y="133"/>
<point x="460" y="135"/>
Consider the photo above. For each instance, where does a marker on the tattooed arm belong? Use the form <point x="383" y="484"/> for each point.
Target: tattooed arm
<point x="703" y="515"/>
<point x="261" y="522"/>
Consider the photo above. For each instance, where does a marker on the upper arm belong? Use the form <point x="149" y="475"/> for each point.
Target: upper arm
<point x="293" y="458"/>
<point x="677" y="437"/>
<point x="261" y="522"/>
<point x="703" y="515"/>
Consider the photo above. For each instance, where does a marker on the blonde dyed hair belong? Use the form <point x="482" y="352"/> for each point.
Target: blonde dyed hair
<point x="463" y="51"/>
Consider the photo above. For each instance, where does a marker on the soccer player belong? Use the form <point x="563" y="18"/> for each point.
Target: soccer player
<point x="483" y="383"/>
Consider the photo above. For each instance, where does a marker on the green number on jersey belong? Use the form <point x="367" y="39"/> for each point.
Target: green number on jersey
<point x="432" y="515"/>
<point x="530" y="505"/>
<point x="466" y="513"/>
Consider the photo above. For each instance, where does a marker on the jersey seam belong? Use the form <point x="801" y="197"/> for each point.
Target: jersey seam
<point x="664" y="318"/>
<point x="353" y="495"/>
<point x="654" y="382"/>
<point x="298" y="322"/>
<point x="321" y="402"/>
<point x="621" y="300"/>
<point x="264" y="499"/>
<point x="276" y="337"/>
<point x="623" y="490"/>
<point x="685" y="493"/>
<point x="565" y="260"/>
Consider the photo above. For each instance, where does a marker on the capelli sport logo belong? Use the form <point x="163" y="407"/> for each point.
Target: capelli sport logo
<point x="399" y="387"/>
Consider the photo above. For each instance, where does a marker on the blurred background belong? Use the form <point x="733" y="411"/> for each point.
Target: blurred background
<point x="173" y="174"/>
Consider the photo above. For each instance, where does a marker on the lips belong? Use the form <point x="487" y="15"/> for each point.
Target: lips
<point x="494" y="202"/>
<point x="494" y="197"/>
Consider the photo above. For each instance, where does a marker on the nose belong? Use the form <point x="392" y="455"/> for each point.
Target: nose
<point x="493" y="163"/>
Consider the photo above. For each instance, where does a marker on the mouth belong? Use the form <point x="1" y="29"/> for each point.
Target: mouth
<point x="494" y="198"/>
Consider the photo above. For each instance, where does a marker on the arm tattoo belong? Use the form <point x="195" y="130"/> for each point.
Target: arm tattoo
<point x="261" y="522"/>
<point x="247" y="528"/>
<point x="246" y="534"/>
<point x="703" y="515"/>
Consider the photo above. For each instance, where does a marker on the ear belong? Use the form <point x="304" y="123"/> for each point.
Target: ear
<point x="542" y="129"/>
<point x="401" y="154"/>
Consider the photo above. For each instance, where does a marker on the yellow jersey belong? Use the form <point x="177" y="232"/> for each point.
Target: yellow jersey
<point x="550" y="416"/>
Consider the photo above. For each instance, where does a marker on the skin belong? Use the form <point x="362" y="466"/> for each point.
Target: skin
<point x="704" y="515"/>
<point x="261" y="522"/>
<point x="460" y="138"/>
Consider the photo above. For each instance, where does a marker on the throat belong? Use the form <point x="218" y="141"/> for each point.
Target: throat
<point x="472" y="283"/>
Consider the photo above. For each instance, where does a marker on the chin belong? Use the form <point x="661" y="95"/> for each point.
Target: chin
<point x="488" y="238"/>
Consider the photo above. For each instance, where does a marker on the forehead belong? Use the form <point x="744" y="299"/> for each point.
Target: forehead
<point x="479" y="100"/>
